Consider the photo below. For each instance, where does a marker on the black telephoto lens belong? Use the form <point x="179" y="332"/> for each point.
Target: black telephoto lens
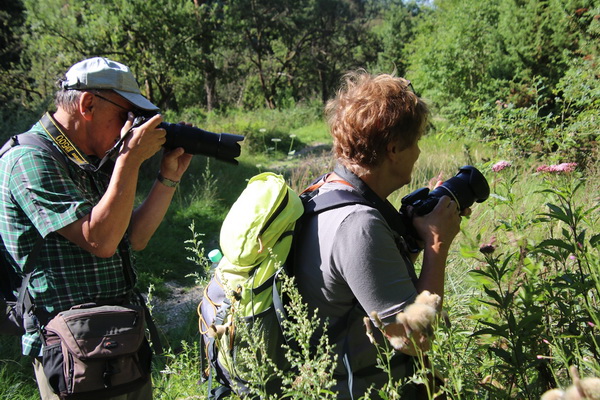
<point x="465" y="188"/>
<point x="222" y="146"/>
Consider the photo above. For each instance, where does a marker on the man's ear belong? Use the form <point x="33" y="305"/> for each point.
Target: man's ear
<point x="86" y="105"/>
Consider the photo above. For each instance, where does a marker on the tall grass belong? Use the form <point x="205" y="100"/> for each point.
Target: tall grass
<point x="520" y="314"/>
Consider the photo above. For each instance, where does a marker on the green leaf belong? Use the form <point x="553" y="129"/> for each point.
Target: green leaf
<point x="594" y="240"/>
<point x="557" y="212"/>
<point x="503" y="354"/>
<point x="489" y="331"/>
<point x="494" y="295"/>
<point x="557" y="243"/>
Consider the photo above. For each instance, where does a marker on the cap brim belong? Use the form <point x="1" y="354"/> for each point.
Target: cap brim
<point x="137" y="100"/>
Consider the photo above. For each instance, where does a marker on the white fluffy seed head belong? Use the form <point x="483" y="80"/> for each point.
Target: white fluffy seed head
<point x="420" y="315"/>
<point x="584" y="389"/>
<point x="554" y="394"/>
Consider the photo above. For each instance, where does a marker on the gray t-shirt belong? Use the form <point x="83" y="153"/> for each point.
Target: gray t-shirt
<point x="348" y="265"/>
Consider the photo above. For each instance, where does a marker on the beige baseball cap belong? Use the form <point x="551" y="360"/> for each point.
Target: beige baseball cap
<point x="102" y="73"/>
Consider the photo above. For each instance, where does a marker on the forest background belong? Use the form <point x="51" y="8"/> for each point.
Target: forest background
<point x="511" y="80"/>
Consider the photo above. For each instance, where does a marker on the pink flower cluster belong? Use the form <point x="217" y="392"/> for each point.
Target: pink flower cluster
<point x="564" y="167"/>
<point x="500" y="165"/>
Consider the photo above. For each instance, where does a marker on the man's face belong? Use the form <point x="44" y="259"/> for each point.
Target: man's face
<point x="111" y="113"/>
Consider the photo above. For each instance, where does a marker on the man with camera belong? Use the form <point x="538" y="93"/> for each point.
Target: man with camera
<point x="352" y="261"/>
<point x="84" y="208"/>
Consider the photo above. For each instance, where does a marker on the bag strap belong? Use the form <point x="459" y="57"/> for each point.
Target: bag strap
<point x="25" y="303"/>
<point x="34" y="140"/>
<point x="387" y="210"/>
<point x="24" y="300"/>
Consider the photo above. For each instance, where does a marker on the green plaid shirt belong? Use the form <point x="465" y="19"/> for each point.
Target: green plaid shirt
<point x="39" y="197"/>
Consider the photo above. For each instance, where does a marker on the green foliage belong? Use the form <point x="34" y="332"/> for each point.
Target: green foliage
<point x="179" y="376"/>
<point x="395" y="33"/>
<point x="455" y="57"/>
<point x="529" y="94"/>
<point x="538" y="305"/>
<point x="312" y="366"/>
<point x="516" y="87"/>
<point x="195" y="245"/>
<point x="16" y="372"/>
<point x="61" y="34"/>
<point x="463" y="56"/>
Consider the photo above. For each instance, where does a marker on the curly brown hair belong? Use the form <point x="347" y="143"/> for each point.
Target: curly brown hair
<point x="371" y="111"/>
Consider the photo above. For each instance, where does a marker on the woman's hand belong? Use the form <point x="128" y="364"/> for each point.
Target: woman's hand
<point x="442" y="224"/>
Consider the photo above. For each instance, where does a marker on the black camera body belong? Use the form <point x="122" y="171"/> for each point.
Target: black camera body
<point x="222" y="146"/>
<point x="465" y="188"/>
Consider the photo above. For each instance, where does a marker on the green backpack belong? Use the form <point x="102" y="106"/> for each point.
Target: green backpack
<point x="256" y="240"/>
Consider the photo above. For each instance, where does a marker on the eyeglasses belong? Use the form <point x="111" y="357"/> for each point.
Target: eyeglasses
<point x="430" y="126"/>
<point x="411" y="87"/>
<point x="111" y="102"/>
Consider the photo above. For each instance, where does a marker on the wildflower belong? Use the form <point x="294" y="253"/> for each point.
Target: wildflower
<point x="276" y="140"/>
<point x="563" y="167"/>
<point x="262" y="130"/>
<point x="500" y="165"/>
<point x="420" y="315"/>
<point x="488" y="248"/>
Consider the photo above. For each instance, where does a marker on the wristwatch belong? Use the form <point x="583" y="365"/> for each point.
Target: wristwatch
<point x="166" y="181"/>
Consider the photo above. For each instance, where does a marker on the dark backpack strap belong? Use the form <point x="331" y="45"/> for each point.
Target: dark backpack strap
<point x="333" y="199"/>
<point x="219" y="393"/>
<point x="35" y="140"/>
<point x="387" y="210"/>
<point x="24" y="301"/>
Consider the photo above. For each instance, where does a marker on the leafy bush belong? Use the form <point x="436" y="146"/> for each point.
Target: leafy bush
<point x="531" y="307"/>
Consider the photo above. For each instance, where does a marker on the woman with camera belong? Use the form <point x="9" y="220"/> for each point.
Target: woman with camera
<point x="351" y="261"/>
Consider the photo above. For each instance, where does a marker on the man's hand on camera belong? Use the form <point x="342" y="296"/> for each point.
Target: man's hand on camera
<point x="175" y="162"/>
<point x="144" y="141"/>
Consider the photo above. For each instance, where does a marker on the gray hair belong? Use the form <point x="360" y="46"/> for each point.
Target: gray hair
<point x="65" y="98"/>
